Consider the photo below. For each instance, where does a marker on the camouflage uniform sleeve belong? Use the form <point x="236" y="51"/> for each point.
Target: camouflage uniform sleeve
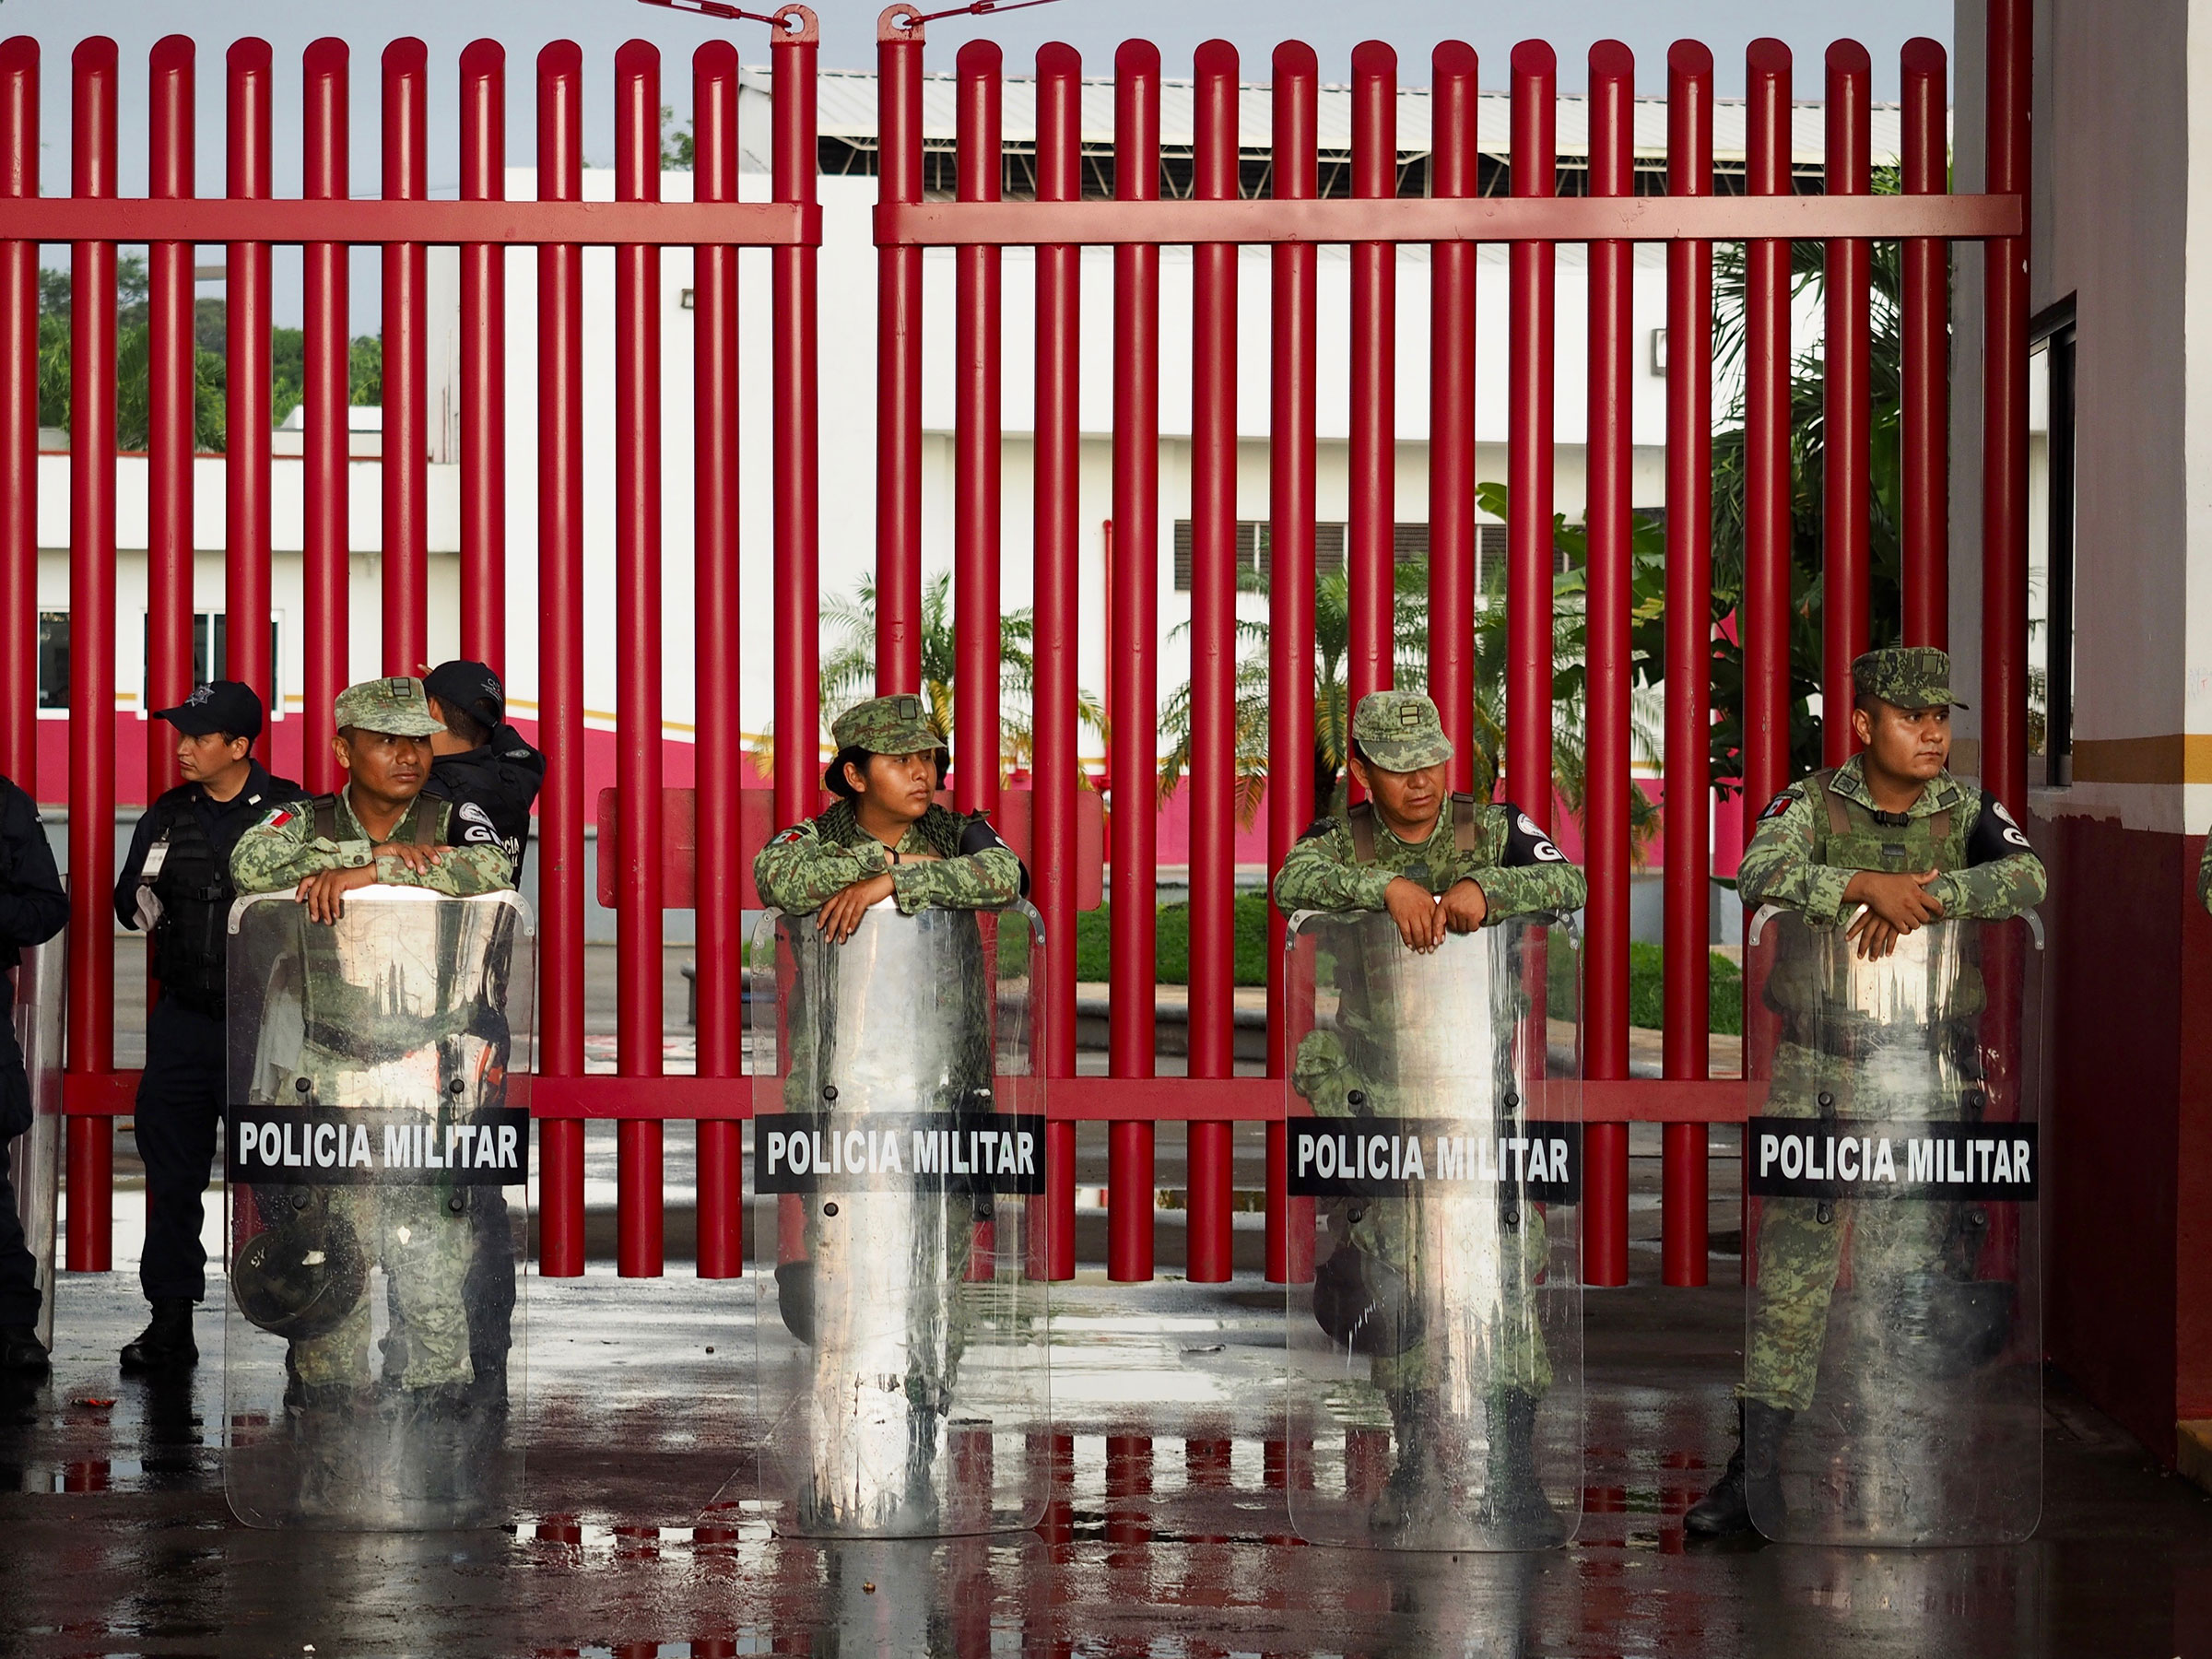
<point x="1321" y="874"/>
<point x="2204" y="875"/>
<point x="798" y="872"/>
<point x="1778" y="866"/>
<point x="461" y="872"/>
<point x="283" y="850"/>
<point x="1530" y="874"/>
<point x="2003" y="875"/>
<point x="985" y="874"/>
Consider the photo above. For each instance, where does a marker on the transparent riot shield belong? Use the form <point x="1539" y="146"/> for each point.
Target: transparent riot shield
<point x="34" y="1156"/>
<point x="1893" y="1351"/>
<point x="900" y="1122"/>
<point x="1435" y="1123"/>
<point x="376" y="1146"/>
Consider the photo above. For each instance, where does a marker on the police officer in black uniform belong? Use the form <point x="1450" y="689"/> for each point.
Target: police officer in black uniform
<point x="479" y="762"/>
<point x="33" y="908"/>
<point x="176" y="882"/>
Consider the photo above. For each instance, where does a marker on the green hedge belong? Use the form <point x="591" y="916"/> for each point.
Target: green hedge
<point x="1174" y="961"/>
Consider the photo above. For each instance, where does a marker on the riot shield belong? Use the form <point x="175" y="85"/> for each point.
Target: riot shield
<point x="34" y="1156"/>
<point x="1893" y="1350"/>
<point x="1435" y="1119"/>
<point x="376" y="1146"/>
<point x="900" y="1121"/>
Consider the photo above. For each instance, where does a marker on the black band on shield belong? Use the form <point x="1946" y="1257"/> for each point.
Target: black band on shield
<point x="1814" y="1158"/>
<point x="1392" y="1158"/>
<point x="348" y="1146"/>
<point x="899" y="1152"/>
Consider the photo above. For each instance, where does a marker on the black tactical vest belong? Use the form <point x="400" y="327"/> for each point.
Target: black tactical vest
<point x="194" y="886"/>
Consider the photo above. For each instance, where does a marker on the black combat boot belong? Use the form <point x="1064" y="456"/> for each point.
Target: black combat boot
<point x="1726" y="1510"/>
<point x="21" y="1352"/>
<point x="1416" y="1489"/>
<point x="166" y="1343"/>
<point x="1517" y="1503"/>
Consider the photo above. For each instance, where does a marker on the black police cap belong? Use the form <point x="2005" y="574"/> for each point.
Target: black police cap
<point x="472" y="688"/>
<point x="217" y="706"/>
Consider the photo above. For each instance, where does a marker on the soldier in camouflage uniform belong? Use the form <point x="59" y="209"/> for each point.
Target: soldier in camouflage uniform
<point x="1436" y="862"/>
<point x="379" y="830"/>
<point x="1891" y="836"/>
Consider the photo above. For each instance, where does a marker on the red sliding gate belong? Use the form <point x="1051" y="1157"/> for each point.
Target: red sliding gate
<point x="1373" y="221"/>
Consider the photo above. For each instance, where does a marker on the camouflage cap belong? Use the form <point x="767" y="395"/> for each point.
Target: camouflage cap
<point x="1400" y="731"/>
<point x="397" y="705"/>
<point x="1912" y="676"/>
<point x="887" y="725"/>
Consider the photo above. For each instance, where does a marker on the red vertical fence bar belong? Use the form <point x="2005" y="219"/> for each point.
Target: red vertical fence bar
<point x="638" y="1213"/>
<point x="484" y="363"/>
<point x="326" y="176"/>
<point x="246" y="602"/>
<point x="1687" y="925"/>
<point x="172" y="360"/>
<point x="1846" y="506"/>
<point x="1135" y="600"/>
<point x="975" y="601"/>
<point x="1454" y="170"/>
<point x="797" y="428"/>
<point x="1371" y="539"/>
<point x="406" y="446"/>
<point x="1767" y="527"/>
<point x="1926" y="318"/>
<point x="92" y="654"/>
<point x="1212" y="1146"/>
<point x="898" y="361"/>
<point x="2005" y="420"/>
<point x="560" y="654"/>
<point x="20" y="423"/>
<point x="1529" y="443"/>
<point x="1605" y="762"/>
<point x="1057" y="556"/>
<point x="1290" y="723"/>
<point x="719" y="757"/>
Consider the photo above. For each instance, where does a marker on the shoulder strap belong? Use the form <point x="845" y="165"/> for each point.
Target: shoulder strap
<point x="1359" y="819"/>
<point x="326" y="816"/>
<point x="422" y="823"/>
<point x="1463" y="824"/>
<point x="1838" y="817"/>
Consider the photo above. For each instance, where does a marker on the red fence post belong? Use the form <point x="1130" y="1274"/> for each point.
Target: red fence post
<point x="561" y="655"/>
<point x="898" y="359"/>
<point x="20" y="423"/>
<point x="171" y="384"/>
<point x="797" y="429"/>
<point x="1057" y="557"/>
<point x="406" y="446"/>
<point x="1370" y="540"/>
<point x="637" y="1213"/>
<point x="1211" y="1146"/>
<point x="1926" y="505"/>
<point x="2005" y="420"/>
<point x="1135" y="600"/>
<point x="1606" y="760"/>
<point x="246" y="601"/>
<point x="92" y="654"/>
<point x="484" y="363"/>
<point x="1529" y="444"/>
<point x="1454" y="170"/>
<point x="976" y="441"/>
<point x="325" y="561"/>
<point x="1847" y="456"/>
<point x="1687" y="987"/>
<point x="719" y="758"/>
<point x="1291" y="715"/>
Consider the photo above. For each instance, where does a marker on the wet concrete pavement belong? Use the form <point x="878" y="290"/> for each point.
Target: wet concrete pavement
<point x="1168" y="1532"/>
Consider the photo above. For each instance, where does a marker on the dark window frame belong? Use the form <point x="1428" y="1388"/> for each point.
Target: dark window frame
<point x="2052" y="331"/>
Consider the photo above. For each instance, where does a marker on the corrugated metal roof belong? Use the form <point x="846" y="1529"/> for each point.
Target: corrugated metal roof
<point x="846" y="109"/>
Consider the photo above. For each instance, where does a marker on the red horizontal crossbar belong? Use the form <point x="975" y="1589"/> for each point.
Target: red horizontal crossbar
<point x="1442" y="219"/>
<point x="375" y="223"/>
<point x="641" y="1098"/>
<point x="99" y="1094"/>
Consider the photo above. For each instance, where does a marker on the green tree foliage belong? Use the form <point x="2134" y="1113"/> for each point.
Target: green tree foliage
<point x="133" y="341"/>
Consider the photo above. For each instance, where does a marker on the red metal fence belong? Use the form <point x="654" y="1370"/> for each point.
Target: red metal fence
<point x="1375" y="221"/>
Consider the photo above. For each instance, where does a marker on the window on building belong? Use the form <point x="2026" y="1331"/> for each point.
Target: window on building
<point x="210" y="651"/>
<point x="2051" y="542"/>
<point x="54" y="660"/>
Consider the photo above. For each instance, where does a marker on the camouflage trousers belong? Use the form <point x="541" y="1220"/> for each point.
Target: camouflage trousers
<point x="425" y="1247"/>
<point x="1801" y="1256"/>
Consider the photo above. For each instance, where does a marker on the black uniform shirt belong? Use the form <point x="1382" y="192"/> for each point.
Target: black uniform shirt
<point x="221" y="821"/>
<point x="491" y="787"/>
<point x="33" y="906"/>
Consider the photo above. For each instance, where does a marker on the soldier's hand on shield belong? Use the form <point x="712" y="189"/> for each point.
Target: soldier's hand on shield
<point x="1464" y="906"/>
<point x="1896" y="905"/>
<point x="1419" y="918"/>
<point x="324" y="893"/>
<point x="841" y="915"/>
<point x="421" y="860"/>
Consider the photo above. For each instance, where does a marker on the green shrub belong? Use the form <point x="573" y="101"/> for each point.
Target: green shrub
<point x="1172" y="951"/>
